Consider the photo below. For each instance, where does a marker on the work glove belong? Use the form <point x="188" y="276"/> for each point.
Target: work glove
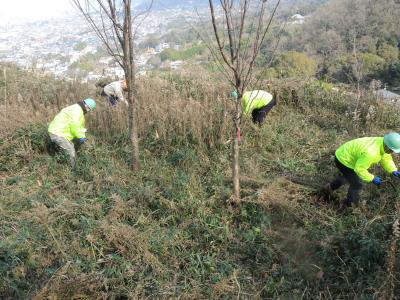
<point x="396" y="173"/>
<point x="82" y="140"/>
<point x="377" y="180"/>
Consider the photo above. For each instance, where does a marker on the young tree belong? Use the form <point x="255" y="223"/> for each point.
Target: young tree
<point x="240" y="28"/>
<point x="113" y="23"/>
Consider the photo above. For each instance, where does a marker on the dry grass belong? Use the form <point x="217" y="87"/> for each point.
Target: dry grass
<point x="198" y="109"/>
<point x="80" y="287"/>
<point x="166" y="110"/>
<point x="104" y="232"/>
<point x="281" y="193"/>
<point x="392" y="259"/>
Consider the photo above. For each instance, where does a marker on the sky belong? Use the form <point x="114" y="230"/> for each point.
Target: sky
<point x="20" y="10"/>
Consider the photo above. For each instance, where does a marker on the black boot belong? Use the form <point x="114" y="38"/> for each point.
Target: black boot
<point x="326" y="193"/>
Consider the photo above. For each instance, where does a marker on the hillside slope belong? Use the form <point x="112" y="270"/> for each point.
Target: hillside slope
<point x="168" y="231"/>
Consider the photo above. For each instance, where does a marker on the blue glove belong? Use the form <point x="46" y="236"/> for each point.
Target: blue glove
<point x="396" y="173"/>
<point x="377" y="180"/>
<point x="82" y="140"/>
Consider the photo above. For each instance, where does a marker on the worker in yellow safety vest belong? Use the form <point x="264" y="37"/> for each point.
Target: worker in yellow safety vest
<point x="68" y="127"/>
<point x="354" y="158"/>
<point x="258" y="103"/>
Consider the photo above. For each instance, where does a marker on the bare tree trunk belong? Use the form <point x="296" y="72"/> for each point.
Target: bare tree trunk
<point x="130" y="77"/>
<point x="116" y="32"/>
<point x="236" y="58"/>
<point x="133" y="134"/>
<point x="235" y="154"/>
<point x="5" y="92"/>
<point x="357" y="70"/>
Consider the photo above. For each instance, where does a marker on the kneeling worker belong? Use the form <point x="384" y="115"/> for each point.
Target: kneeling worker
<point x="68" y="127"/>
<point x="258" y="103"/>
<point x="354" y="158"/>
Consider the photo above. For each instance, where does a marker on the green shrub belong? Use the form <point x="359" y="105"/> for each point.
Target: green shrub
<point x="295" y="64"/>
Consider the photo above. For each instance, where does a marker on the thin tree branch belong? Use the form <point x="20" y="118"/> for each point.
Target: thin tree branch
<point x="259" y="43"/>
<point x="227" y="6"/>
<point x="244" y="55"/>
<point x="214" y="23"/>
<point x="243" y="12"/>
<point x="145" y="14"/>
<point x="207" y="40"/>
<point x="100" y="32"/>
<point x="116" y="52"/>
<point x="116" y="25"/>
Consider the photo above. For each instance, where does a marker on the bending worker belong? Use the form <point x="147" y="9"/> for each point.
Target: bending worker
<point x="68" y="127"/>
<point x="354" y="158"/>
<point x="258" y="103"/>
<point x="115" y="92"/>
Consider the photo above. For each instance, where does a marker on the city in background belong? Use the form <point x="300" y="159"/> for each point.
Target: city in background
<point x="68" y="48"/>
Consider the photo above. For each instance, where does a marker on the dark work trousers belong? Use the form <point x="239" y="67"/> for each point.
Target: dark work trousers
<point x="259" y="114"/>
<point x="348" y="176"/>
<point x="111" y="99"/>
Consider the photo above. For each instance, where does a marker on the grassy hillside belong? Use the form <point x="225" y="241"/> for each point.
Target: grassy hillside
<point x="168" y="231"/>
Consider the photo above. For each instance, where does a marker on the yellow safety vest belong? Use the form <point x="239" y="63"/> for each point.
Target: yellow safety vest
<point x="255" y="99"/>
<point x="69" y="123"/>
<point x="360" y="154"/>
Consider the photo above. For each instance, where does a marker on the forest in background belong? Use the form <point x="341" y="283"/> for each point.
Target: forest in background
<point x="349" y="41"/>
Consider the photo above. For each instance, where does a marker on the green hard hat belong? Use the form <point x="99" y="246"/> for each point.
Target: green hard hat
<point x="392" y="141"/>
<point x="234" y="94"/>
<point x="91" y="103"/>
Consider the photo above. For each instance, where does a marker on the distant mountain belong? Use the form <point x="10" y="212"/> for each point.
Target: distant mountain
<point x="168" y="4"/>
<point x="304" y="6"/>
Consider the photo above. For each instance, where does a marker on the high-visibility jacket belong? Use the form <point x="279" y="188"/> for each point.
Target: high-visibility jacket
<point x="362" y="153"/>
<point x="69" y="123"/>
<point x="255" y="99"/>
